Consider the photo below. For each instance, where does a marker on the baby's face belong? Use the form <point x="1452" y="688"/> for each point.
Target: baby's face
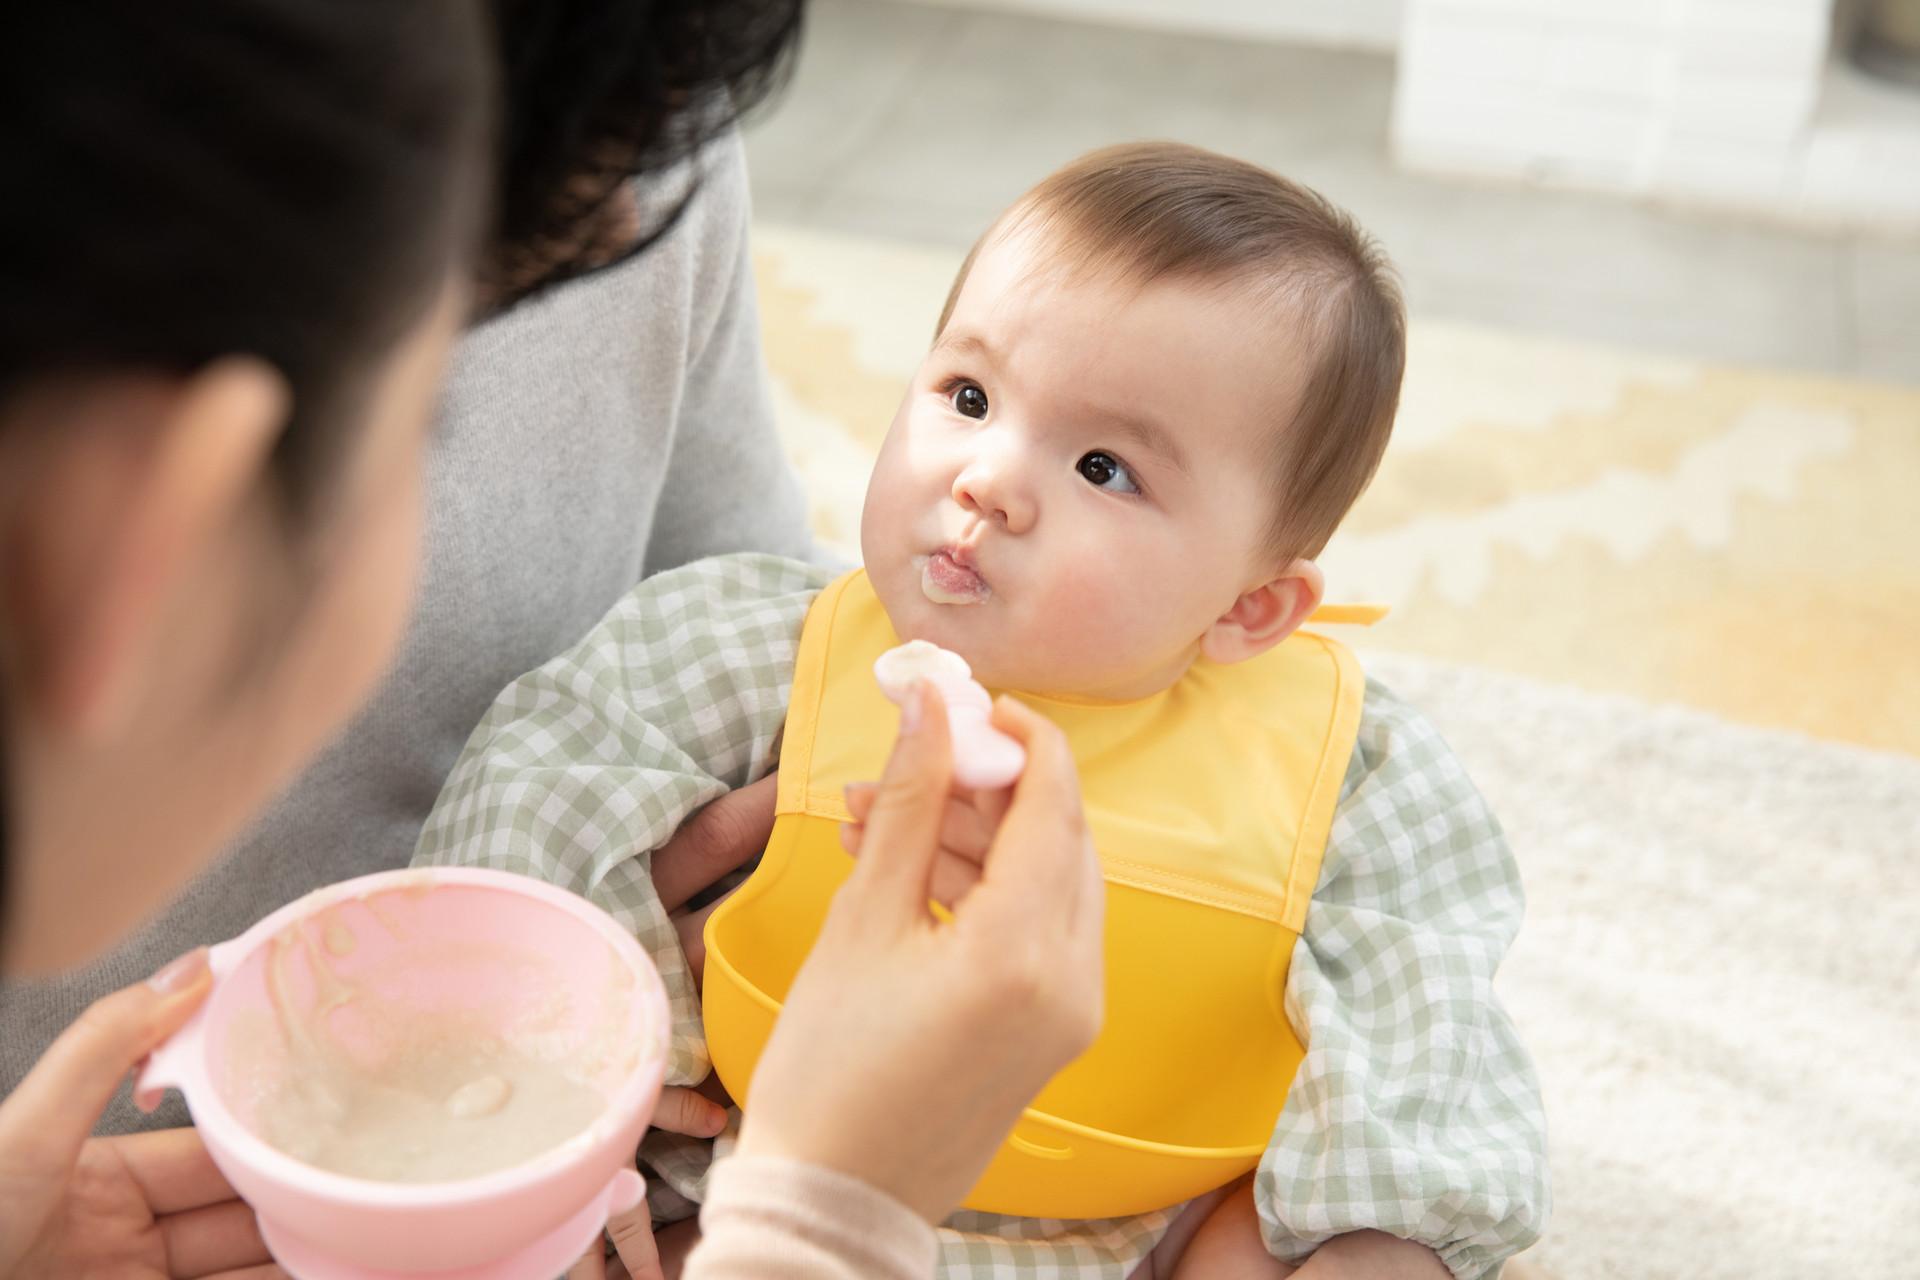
<point x="1076" y="485"/>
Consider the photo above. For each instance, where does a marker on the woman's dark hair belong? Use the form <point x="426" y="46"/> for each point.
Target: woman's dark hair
<point x="598" y="91"/>
<point x="290" y="179"/>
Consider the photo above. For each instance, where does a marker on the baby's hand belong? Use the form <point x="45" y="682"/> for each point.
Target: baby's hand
<point x="966" y="833"/>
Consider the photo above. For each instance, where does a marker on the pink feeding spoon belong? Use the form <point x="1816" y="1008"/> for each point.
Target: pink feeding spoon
<point x="984" y="758"/>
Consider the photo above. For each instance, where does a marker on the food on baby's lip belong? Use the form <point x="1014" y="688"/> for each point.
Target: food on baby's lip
<point x="947" y="578"/>
<point x="984" y="759"/>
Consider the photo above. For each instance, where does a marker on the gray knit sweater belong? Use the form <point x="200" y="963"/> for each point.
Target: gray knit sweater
<point x="618" y="426"/>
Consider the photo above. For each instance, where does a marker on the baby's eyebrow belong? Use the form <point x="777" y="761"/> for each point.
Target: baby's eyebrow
<point x="1149" y="435"/>
<point x="966" y="344"/>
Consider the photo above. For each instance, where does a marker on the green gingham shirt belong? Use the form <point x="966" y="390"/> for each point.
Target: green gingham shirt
<point x="1415" y="1111"/>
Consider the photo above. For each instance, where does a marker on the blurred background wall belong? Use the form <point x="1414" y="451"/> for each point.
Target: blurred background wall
<point x="1710" y="177"/>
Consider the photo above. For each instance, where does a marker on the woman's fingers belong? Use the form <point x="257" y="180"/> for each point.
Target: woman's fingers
<point x="220" y="1237"/>
<point x="963" y="835"/>
<point x="954" y="873"/>
<point x="903" y="826"/>
<point x="686" y="1111"/>
<point x="966" y="828"/>
<point x="953" y="877"/>
<point x="172" y="1168"/>
<point x="966" y="833"/>
<point x="51" y="1113"/>
<point x="989" y="811"/>
<point x="719" y="839"/>
<point x="632" y="1236"/>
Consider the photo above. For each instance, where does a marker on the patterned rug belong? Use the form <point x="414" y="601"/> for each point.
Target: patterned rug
<point x="1670" y="615"/>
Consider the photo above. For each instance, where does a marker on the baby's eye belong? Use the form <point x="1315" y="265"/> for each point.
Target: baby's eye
<point x="970" y="401"/>
<point x="1104" y="471"/>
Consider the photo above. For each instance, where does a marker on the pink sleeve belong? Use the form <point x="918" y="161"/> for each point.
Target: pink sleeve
<point x="767" y="1217"/>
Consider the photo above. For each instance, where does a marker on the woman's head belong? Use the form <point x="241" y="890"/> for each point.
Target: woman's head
<point x="236" y="249"/>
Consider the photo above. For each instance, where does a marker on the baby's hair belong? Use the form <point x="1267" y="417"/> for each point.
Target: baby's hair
<point x="1148" y="210"/>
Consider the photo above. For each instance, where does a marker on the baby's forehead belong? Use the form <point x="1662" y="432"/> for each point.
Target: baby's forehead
<point x="1024" y="280"/>
<point x="1042" y="263"/>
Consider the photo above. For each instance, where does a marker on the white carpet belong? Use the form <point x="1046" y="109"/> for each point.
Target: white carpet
<point x="1718" y="978"/>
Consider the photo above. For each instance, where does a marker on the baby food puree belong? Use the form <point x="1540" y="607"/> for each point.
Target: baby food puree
<point x="355" y="1077"/>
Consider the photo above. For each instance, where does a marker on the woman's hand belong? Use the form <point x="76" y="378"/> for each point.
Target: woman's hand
<point x="709" y="846"/>
<point x="145" y="1205"/>
<point x="908" y="1046"/>
<point x="966" y="834"/>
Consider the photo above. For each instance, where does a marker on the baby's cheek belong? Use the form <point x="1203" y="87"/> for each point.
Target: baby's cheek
<point x="886" y="526"/>
<point x="1134" y="612"/>
<point x="1097" y="608"/>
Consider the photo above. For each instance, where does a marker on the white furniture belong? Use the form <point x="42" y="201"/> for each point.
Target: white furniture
<point x="1358" y="24"/>
<point x="1731" y="103"/>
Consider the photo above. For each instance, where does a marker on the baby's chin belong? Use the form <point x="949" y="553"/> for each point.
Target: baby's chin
<point x="977" y="632"/>
<point x="1004" y="654"/>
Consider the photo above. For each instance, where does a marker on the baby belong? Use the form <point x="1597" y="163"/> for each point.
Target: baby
<point x="1158" y="384"/>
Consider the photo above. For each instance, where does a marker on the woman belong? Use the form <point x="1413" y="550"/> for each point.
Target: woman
<point x="605" y="415"/>
<point x="230" y="286"/>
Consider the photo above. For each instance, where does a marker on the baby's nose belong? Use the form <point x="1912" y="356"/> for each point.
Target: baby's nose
<point x="995" y="493"/>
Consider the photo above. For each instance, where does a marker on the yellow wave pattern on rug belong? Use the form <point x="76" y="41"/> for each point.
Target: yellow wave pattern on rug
<point x="1745" y="542"/>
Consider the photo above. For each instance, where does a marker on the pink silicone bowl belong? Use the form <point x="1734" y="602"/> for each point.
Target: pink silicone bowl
<point x="542" y="967"/>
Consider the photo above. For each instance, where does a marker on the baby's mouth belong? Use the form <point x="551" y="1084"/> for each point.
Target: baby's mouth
<point x="946" y="579"/>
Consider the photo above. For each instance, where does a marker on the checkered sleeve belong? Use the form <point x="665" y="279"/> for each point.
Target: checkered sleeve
<point x="988" y="1246"/>
<point x="1416" y="1110"/>
<point x="586" y="765"/>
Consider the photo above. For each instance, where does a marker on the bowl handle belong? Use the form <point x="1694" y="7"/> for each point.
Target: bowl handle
<point x="177" y="1062"/>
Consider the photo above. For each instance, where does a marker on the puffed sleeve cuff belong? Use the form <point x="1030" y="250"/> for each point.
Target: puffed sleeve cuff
<point x="766" y="1216"/>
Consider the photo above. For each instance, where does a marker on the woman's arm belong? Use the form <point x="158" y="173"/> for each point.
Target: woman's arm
<point x="908" y="1045"/>
<point x="766" y="1216"/>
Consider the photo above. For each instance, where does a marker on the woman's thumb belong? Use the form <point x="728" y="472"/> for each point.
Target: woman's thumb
<point x="46" y="1119"/>
<point x="903" y="826"/>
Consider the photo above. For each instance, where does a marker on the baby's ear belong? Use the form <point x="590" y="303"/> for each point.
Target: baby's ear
<point x="1265" y="615"/>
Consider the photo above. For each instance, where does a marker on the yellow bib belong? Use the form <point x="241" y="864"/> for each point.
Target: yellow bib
<point x="1209" y="803"/>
